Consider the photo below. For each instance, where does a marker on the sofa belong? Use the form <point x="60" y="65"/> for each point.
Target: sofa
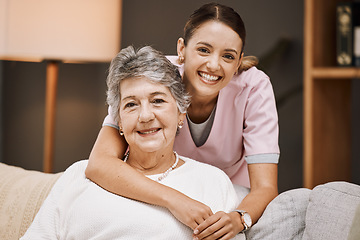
<point x="329" y="211"/>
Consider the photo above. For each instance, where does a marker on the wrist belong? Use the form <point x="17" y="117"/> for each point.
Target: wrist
<point x="168" y="199"/>
<point x="237" y="221"/>
<point x="245" y="220"/>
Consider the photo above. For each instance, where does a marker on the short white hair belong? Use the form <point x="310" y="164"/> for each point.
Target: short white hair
<point x="144" y="62"/>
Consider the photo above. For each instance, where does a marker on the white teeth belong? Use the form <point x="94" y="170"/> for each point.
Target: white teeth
<point x="209" y="77"/>
<point x="149" y="131"/>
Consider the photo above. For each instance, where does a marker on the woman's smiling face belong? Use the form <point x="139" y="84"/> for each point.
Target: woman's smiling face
<point x="212" y="56"/>
<point x="149" y="115"/>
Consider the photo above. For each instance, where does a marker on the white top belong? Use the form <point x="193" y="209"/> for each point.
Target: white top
<point x="77" y="208"/>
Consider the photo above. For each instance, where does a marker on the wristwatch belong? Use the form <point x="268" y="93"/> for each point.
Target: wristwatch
<point x="245" y="219"/>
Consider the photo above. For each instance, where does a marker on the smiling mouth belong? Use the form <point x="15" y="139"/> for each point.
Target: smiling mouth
<point x="209" y="78"/>
<point x="149" y="131"/>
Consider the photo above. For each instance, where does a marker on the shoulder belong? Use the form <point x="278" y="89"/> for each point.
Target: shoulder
<point x="253" y="72"/>
<point x="251" y="77"/>
<point x="77" y="166"/>
<point x="73" y="173"/>
<point x="247" y="83"/>
<point x="173" y="59"/>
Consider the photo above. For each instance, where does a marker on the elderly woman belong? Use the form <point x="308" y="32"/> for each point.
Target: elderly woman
<point x="149" y="101"/>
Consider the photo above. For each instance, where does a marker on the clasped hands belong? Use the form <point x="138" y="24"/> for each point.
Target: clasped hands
<point x="205" y="224"/>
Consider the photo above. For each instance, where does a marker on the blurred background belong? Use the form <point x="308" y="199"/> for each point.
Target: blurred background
<point x="274" y="35"/>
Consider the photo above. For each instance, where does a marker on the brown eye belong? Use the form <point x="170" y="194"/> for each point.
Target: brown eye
<point x="203" y="50"/>
<point x="229" y="56"/>
<point x="129" y="105"/>
<point x="158" y="101"/>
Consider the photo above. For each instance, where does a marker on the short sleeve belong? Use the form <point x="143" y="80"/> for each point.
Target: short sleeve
<point x="263" y="158"/>
<point x="260" y="120"/>
<point x="109" y="120"/>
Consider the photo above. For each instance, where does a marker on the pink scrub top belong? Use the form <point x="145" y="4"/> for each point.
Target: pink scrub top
<point x="245" y="128"/>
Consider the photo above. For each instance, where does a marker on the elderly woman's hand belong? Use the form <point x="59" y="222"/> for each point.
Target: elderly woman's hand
<point x="188" y="211"/>
<point x="221" y="225"/>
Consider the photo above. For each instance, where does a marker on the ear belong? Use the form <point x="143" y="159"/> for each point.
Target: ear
<point x="181" y="120"/>
<point x="182" y="116"/>
<point x="181" y="47"/>
<point x="240" y="60"/>
<point x="119" y="124"/>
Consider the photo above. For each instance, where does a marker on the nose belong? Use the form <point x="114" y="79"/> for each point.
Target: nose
<point x="213" y="63"/>
<point x="146" y="114"/>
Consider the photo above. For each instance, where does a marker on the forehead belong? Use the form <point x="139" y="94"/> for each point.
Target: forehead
<point x="141" y="86"/>
<point x="218" y="33"/>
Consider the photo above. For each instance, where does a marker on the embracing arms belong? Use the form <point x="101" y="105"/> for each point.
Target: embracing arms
<point x="263" y="181"/>
<point x="106" y="169"/>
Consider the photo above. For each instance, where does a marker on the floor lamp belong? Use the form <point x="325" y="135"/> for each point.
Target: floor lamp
<point x="58" y="31"/>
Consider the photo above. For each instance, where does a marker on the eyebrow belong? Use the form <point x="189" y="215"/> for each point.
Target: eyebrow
<point x="158" y="93"/>
<point x="151" y="94"/>
<point x="209" y="45"/>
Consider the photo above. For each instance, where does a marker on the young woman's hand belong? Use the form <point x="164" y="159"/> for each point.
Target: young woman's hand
<point x="221" y="225"/>
<point x="188" y="211"/>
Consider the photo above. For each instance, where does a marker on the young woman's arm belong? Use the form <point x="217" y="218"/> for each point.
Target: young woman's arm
<point x="106" y="169"/>
<point x="263" y="181"/>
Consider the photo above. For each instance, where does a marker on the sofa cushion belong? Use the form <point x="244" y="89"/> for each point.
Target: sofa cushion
<point x="331" y="210"/>
<point x="354" y="233"/>
<point x="21" y="194"/>
<point x="283" y="218"/>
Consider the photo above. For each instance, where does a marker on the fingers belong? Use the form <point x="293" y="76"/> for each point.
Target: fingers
<point x="217" y="226"/>
<point x="190" y="212"/>
<point x="191" y="220"/>
<point x="197" y="215"/>
<point x="200" y="217"/>
<point x="207" y="226"/>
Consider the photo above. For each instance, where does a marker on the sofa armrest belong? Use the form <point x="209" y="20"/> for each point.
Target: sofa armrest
<point x="331" y="209"/>
<point x="283" y="218"/>
<point x="354" y="233"/>
<point x="21" y="194"/>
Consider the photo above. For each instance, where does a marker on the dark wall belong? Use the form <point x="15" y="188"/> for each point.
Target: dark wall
<point x="276" y="24"/>
<point x="79" y="114"/>
<point x="274" y="34"/>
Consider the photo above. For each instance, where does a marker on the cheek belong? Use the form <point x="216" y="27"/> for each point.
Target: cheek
<point x="230" y="70"/>
<point x="128" y="121"/>
<point x="171" y="122"/>
<point x="170" y="132"/>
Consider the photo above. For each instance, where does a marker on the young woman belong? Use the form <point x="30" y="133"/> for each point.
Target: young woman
<point x="231" y="123"/>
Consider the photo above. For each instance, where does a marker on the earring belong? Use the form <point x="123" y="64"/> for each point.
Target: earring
<point x="121" y="131"/>
<point x="181" y="124"/>
<point x="181" y="59"/>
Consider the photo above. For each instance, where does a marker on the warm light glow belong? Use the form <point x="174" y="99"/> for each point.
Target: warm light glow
<point x="67" y="30"/>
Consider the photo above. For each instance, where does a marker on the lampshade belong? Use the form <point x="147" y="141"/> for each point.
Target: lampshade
<point x="58" y="31"/>
<point x="66" y="30"/>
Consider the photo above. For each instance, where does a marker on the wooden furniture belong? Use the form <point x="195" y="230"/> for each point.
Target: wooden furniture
<point x="327" y="99"/>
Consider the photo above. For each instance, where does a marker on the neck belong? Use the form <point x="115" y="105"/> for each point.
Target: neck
<point x="151" y="163"/>
<point x="201" y="108"/>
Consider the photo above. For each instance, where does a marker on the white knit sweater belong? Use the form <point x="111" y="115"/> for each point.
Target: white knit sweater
<point x="77" y="208"/>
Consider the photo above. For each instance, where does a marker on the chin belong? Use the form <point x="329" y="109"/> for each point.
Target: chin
<point x="151" y="148"/>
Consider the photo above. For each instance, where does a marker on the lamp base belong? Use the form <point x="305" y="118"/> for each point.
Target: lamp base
<point x="52" y="69"/>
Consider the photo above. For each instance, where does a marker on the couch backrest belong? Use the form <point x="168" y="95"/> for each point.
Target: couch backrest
<point x="22" y="192"/>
